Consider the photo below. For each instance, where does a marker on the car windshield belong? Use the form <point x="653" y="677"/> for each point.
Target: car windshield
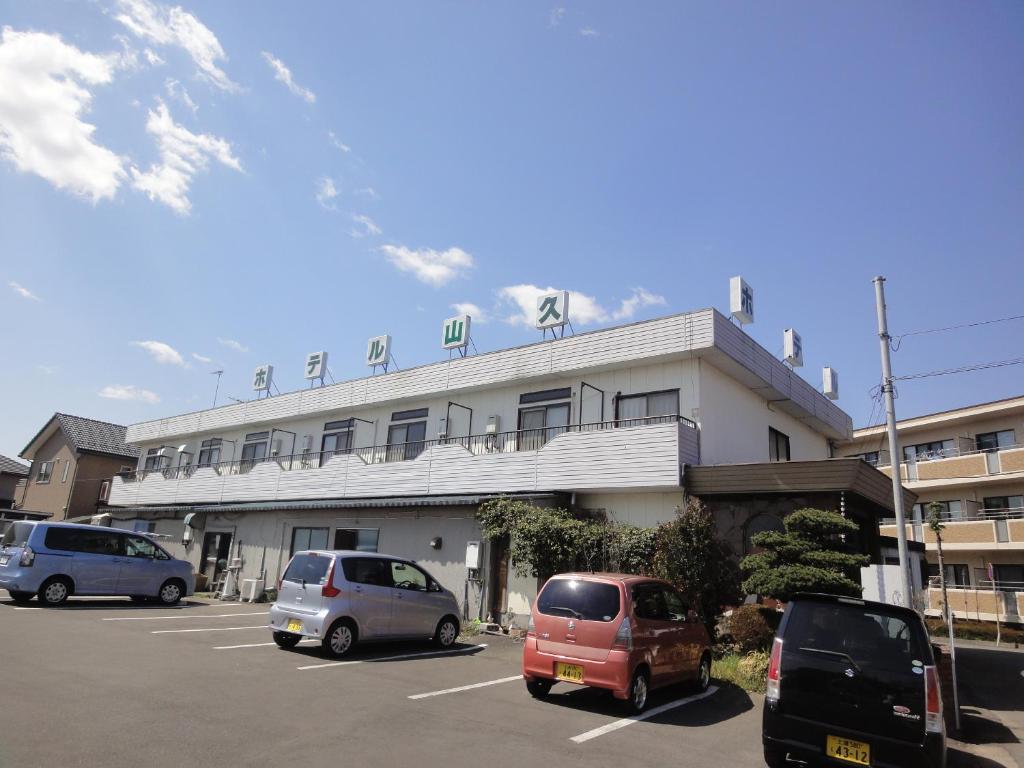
<point x="311" y="569"/>
<point x="579" y="599"/>
<point x="16" y="535"/>
<point x="868" y="637"/>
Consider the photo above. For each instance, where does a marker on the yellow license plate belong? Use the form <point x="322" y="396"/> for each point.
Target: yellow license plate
<point x="294" y="625"/>
<point x="847" y="749"/>
<point x="571" y="673"/>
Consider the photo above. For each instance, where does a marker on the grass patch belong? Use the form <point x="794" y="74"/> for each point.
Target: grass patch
<point x="749" y="671"/>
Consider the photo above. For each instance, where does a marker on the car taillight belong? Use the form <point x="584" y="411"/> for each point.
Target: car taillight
<point x="774" y="688"/>
<point x="328" y="589"/>
<point x="27" y="557"/>
<point x="531" y="627"/>
<point x="933" y="701"/>
<point x="624" y="637"/>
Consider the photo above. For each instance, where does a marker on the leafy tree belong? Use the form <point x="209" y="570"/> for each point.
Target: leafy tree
<point x="808" y="557"/>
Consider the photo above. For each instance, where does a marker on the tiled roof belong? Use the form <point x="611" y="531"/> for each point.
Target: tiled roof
<point x="12" y="467"/>
<point x="99" y="436"/>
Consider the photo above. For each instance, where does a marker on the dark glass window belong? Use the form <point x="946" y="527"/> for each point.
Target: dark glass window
<point x="548" y="394"/>
<point x="871" y="457"/>
<point x="209" y="452"/>
<point x="957" y="575"/>
<point x="539" y="425"/>
<point x="309" y="538"/>
<point x="418" y="413"/>
<point x="677" y="607"/>
<point x="1003" y="504"/>
<point x="405" y="441"/>
<point x="337" y="439"/>
<point x="579" y="599"/>
<point x="649" y="405"/>
<point x="649" y="602"/>
<point x="937" y="449"/>
<point x="311" y="569"/>
<point x="357" y="539"/>
<point x="254" y="450"/>
<point x="778" y="445"/>
<point x="367" y="570"/>
<point x="91" y="542"/>
<point x="993" y="441"/>
<point x="44" y="472"/>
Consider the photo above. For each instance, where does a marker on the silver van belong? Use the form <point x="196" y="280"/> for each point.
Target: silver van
<point x="342" y="597"/>
<point x="56" y="560"/>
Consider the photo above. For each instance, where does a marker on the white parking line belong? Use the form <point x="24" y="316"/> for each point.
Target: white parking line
<point x="644" y="716"/>
<point x="193" y="616"/>
<point x="466" y="687"/>
<point x="258" y="645"/>
<point x="204" y="629"/>
<point x="395" y="658"/>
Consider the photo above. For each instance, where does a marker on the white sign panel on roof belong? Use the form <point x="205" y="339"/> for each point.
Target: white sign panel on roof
<point x="552" y="310"/>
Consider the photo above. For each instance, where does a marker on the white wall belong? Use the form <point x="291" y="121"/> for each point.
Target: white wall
<point x="644" y="509"/>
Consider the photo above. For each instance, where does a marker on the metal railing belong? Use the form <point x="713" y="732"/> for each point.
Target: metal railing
<point x="943" y="453"/>
<point x="981" y="515"/>
<point x="982" y="585"/>
<point x="478" y="445"/>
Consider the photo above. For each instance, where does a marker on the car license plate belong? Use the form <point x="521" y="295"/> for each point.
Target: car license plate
<point x="571" y="673"/>
<point x="4" y="559"/>
<point x="847" y="749"/>
<point x="294" y="625"/>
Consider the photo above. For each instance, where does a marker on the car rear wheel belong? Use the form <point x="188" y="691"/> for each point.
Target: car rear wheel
<point x="638" y="688"/>
<point x="54" y="591"/>
<point x="21" y="597"/>
<point x="775" y="758"/>
<point x="704" y="673"/>
<point x="340" y="638"/>
<point x="447" y="632"/>
<point x="539" y="688"/>
<point x="286" y="639"/>
<point x="171" y="592"/>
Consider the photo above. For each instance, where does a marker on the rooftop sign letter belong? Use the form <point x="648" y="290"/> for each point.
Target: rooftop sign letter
<point x="262" y="377"/>
<point x="378" y="351"/>
<point x="741" y="300"/>
<point x="793" y="348"/>
<point x="552" y="310"/>
<point x="316" y="365"/>
<point x="455" y="334"/>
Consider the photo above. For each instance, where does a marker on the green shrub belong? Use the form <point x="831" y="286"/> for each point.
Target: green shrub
<point x="749" y="629"/>
<point x="749" y="672"/>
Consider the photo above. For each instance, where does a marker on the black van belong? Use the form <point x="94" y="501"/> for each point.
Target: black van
<point x="852" y="682"/>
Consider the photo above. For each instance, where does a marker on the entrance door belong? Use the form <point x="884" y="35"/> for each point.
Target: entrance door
<point x="216" y="550"/>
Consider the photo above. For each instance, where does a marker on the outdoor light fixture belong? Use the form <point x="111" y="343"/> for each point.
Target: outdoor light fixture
<point x="435" y="543"/>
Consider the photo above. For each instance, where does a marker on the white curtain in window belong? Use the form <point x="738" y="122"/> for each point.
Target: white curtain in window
<point x="632" y="407"/>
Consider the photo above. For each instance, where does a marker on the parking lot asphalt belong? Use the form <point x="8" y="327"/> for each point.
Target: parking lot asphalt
<point x="112" y="683"/>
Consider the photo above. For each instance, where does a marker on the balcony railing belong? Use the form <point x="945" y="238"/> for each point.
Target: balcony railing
<point x="944" y="453"/>
<point x="478" y="445"/>
<point x="999" y="513"/>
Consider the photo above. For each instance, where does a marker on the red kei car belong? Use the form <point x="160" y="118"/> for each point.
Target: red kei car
<point x="629" y="634"/>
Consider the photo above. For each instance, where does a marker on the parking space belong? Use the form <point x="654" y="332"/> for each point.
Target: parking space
<point x="204" y="683"/>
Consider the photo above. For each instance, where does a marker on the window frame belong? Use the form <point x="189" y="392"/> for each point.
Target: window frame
<point x="994" y="435"/>
<point x="357" y="531"/>
<point x="931" y="452"/>
<point x="335" y="429"/>
<point x="104" y="491"/>
<point x="407" y="449"/>
<point x="209" y="446"/>
<point x="45" y="472"/>
<point x="647" y="414"/>
<point x="309" y="529"/>
<point x="774" y="436"/>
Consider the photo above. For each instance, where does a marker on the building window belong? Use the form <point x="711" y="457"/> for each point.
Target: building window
<point x="337" y="439"/>
<point x="1000" y="506"/>
<point x="104" y="490"/>
<point x="44" y="472"/>
<point x="1009" y="578"/>
<point x="778" y="445"/>
<point x="154" y="460"/>
<point x="64" y="474"/>
<point x="209" y="452"/>
<point x="545" y="396"/>
<point x="308" y="538"/>
<point x="648" y="405"/>
<point x="143" y="526"/>
<point x="937" y="449"/>
<point x="871" y="457"/>
<point x="405" y="441"/>
<point x="359" y="539"/>
<point x="949" y="510"/>
<point x="254" y="450"/>
<point x="956" y="575"/>
<point x="539" y="425"/>
<point x="994" y="441"/>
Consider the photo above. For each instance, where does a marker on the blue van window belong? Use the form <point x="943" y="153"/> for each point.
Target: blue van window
<point x="97" y="542"/>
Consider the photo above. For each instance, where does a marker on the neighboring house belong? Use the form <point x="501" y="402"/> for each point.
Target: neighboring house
<point x="73" y="462"/>
<point x="622" y="421"/>
<point x="11" y="474"/>
<point x="970" y="461"/>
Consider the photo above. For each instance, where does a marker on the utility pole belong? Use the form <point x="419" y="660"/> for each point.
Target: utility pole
<point x="894" y="445"/>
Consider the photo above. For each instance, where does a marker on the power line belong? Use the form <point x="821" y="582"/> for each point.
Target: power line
<point x="962" y="369"/>
<point x="897" y="340"/>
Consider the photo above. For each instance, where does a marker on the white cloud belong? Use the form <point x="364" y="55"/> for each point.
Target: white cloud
<point x="201" y="358"/>
<point x="22" y="291"/>
<point x="174" y="26"/>
<point x="428" y="266"/>
<point x="326" y="192"/>
<point x="589" y="32"/>
<point x="129" y="392"/>
<point x="368" y="192"/>
<point x="153" y="57"/>
<point x="640" y="298"/>
<point x="282" y="73"/>
<point x="556" y="16"/>
<point x="177" y="91"/>
<point x="161" y="352"/>
<point x="232" y="344"/>
<point x="43" y="95"/>
<point x="366" y="226"/>
<point x="478" y="314"/>
<point x="183" y="154"/>
<point x="338" y="143"/>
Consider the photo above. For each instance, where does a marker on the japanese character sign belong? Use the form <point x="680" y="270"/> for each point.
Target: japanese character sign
<point x="262" y="378"/>
<point x="455" y="333"/>
<point x="552" y="310"/>
<point x="793" y="350"/>
<point x="378" y="350"/>
<point x="741" y="300"/>
<point x="316" y="365"/>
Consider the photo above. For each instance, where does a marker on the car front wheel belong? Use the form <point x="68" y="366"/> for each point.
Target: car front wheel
<point x="171" y="592"/>
<point x="447" y="632"/>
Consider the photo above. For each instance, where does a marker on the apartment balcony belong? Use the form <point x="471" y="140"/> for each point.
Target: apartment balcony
<point x="613" y="455"/>
<point x="990" y="600"/>
<point x="983" y="530"/>
<point x="960" y="467"/>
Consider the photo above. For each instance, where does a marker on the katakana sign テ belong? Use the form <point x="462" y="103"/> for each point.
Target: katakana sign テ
<point x="455" y="333"/>
<point x="552" y="309"/>
<point x="378" y="350"/>
<point x="741" y="300"/>
<point x="262" y="378"/>
<point x="316" y="365"/>
<point x="792" y="348"/>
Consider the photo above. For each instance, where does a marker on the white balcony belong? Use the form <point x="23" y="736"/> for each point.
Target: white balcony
<point x="634" y="454"/>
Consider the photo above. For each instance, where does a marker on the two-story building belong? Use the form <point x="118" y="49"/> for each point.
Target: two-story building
<point x="73" y="461"/>
<point x="617" y="421"/>
<point x="969" y="461"/>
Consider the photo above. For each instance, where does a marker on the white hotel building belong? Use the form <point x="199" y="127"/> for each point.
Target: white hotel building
<point x="625" y="420"/>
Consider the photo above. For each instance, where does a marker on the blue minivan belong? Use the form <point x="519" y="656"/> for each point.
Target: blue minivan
<point x="56" y="560"/>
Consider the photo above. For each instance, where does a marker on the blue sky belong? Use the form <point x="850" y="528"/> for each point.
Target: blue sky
<point x="243" y="183"/>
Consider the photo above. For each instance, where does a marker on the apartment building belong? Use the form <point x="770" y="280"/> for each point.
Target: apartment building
<point x="969" y="461"/>
<point x="613" y="421"/>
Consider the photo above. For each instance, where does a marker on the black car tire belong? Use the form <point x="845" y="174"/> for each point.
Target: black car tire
<point x="21" y="597"/>
<point x="335" y="642"/>
<point x="171" y="592"/>
<point x="447" y="632"/>
<point x="539" y="688"/>
<point x="51" y="594"/>
<point x="639" y="688"/>
<point x="703" y="679"/>
<point x="286" y="639"/>
<point x="775" y="757"/>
